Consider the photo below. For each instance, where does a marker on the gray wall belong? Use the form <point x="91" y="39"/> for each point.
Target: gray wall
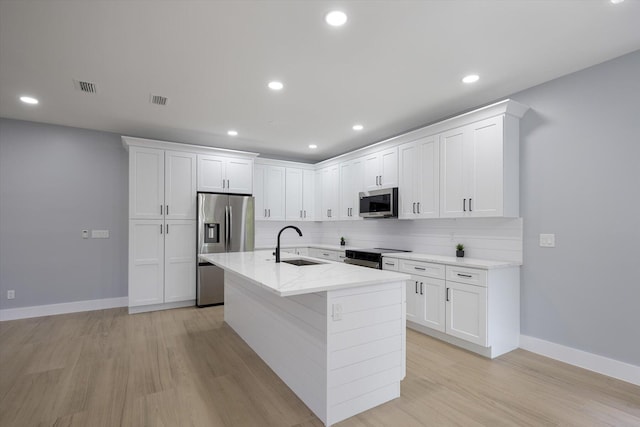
<point x="54" y="182"/>
<point x="580" y="179"/>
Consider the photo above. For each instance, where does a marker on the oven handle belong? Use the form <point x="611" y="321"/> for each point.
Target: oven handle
<point x="362" y="263"/>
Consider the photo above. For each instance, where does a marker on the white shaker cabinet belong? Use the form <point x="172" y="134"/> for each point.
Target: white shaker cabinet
<point x="351" y="184"/>
<point x="269" y="192"/>
<point x="180" y="261"/>
<point x="419" y="179"/>
<point x="162" y="184"/>
<point x="381" y="169"/>
<point x="219" y="174"/>
<point x="479" y="169"/>
<point x="146" y="262"/>
<point x="300" y="194"/>
<point x="329" y="202"/>
<point x="467" y="312"/>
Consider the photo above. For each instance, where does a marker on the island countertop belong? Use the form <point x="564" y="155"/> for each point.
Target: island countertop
<point x="285" y="279"/>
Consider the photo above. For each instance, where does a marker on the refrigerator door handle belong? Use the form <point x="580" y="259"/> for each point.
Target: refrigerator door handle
<point x="226" y="228"/>
<point x="230" y="228"/>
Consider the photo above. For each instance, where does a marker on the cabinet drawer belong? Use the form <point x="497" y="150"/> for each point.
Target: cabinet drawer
<point x="472" y="276"/>
<point x="324" y="254"/>
<point x="390" y="263"/>
<point x="422" y="268"/>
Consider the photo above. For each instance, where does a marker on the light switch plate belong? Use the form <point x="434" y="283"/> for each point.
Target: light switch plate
<point x="85" y="234"/>
<point x="548" y="240"/>
<point x="99" y="234"/>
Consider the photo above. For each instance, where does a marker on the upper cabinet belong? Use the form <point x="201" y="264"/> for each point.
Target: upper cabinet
<point x="329" y="200"/>
<point x="381" y="169"/>
<point x="162" y="184"/>
<point x="269" y="192"/>
<point x="479" y="169"/>
<point x="300" y="194"/>
<point x="351" y="184"/>
<point x="218" y="174"/>
<point x="419" y="178"/>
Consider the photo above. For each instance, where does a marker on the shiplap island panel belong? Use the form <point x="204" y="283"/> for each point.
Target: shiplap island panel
<point x="334" y="333"/>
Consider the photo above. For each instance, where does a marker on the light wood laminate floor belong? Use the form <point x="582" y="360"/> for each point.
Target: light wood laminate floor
<point x="186" y="367"/>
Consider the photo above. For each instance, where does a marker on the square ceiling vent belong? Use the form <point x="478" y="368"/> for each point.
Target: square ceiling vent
<point x="85" y="86"/>
<point x="158" y="99"/>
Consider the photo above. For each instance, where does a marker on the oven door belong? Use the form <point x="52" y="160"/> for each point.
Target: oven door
<point x="362" y="263"/>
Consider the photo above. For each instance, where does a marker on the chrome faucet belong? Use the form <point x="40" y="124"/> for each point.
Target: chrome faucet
<point x="278" y="247"/>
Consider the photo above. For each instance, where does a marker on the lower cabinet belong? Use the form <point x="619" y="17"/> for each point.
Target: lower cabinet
<point x="329" y="254"/>
<point x="463" y="305"/>
<point x="162" y="262"/>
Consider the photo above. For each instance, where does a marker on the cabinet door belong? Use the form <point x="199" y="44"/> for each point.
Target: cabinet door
<point x="239" y="176"/>
<point x="346" y="191"/>
<point x="467" y="312"/>
<point x="308" y="195"/>
<point x="146" y="183"/>
<point x="408" y="180"/>
<point x="427" y="175"/>
<point x="414" y="300"/>
<point x="330" y="182"/>
<point x="274" y="193"/>
<point x="433" y="303"/>
<point x="146" y="262"/>
<point x="259" y="189"/>
<point x="452" y="173"/>
<point x="180" y="261"/>
<point x="211" y="173"/>
<point x="372" y="172"/>
<point x="389" y="168"/>
<point x="486" y="156"/>
<point x="294" y="194"/>
<point x="180" y="185"/>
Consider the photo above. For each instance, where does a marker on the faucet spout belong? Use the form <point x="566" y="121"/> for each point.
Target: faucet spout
<point x="278" y="247"/>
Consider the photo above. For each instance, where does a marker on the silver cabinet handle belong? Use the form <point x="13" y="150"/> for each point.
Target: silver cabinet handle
<point x="300" y="213"/>
<point x="448" y="296"/>
<point x="464" y="205"/>
<point x="167" y="228"/>
<point x="421" y="288"/>
<point x="325" y="254"/>
<point x="389" y="263"/>
<point x="167" y="210"/>
<point x="416" y="286"/>
<point x="305" y="214"/>
<point x="160" y="228"/>
<point x="380" y="179"/>
<point x="223" y="184"/>
<point x="414" y="207"/>
<point x="269" y="210"/>
<point x="470" y="210"/>
<point x="228" y="184"/>
<point x="420" y="268"/>
<point x="464" y="275"/>
<point x="418" y="207"/>
<point x="265" y="213"/>
<point x="160" y="209"/>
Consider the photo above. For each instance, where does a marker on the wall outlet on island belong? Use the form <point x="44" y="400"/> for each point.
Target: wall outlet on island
<point x="11" y="294"/>
<point x="548" y="240"/>
<point x="337" y="312"/>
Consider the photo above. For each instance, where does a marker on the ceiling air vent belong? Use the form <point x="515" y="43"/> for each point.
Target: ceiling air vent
<point x="159" y="100"/>
<point x="87" y="87"/>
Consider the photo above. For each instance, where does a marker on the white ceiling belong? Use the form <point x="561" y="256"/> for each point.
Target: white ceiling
<point x="395" y="65"/>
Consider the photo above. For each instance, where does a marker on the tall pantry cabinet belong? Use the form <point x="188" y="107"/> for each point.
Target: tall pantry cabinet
<point x="162" y="227"/>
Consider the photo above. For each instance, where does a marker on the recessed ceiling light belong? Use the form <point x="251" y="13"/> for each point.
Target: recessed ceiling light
<point x="471" y="78"/>
<point x="358" y="127"/>
<point x="232" y="133"/>
<point x="616" y="1"/>
<point x="28" y="100"/>
<point x="313" y="146"/>
<point x="336" y="18"/>
<point x="275" y="85"/>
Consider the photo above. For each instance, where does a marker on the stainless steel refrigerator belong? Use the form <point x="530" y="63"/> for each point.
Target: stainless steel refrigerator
<point x="225" y="224"/>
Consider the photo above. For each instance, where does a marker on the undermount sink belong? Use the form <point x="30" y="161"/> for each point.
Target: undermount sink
<point x="300" y="262"/>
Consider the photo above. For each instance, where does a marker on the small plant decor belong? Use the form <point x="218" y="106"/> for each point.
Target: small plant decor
<point x="460" y="250"/>
<point x="342" y="241"/>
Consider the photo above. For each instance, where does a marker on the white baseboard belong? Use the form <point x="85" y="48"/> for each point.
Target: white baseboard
<point x="67" y="307"/>
<point x="593" y="362"/>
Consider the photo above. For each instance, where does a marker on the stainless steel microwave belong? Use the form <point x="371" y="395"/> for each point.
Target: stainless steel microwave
<point x="379" y="203"/>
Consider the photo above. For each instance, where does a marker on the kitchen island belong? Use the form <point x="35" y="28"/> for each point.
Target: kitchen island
<point x="334" y="333"/>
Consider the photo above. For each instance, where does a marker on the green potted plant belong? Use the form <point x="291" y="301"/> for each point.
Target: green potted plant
<point x="342" y="241"/>
<point x="460" y="250"/>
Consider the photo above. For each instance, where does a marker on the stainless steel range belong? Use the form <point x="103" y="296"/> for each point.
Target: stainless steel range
<point x="368" y="257"/>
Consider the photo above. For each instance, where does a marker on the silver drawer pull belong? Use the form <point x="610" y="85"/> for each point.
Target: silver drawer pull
<point x="464" y="275"/>
<point x="325" y="254"/>
<point x="389" y="263"/>
<point x="420" y="268"/>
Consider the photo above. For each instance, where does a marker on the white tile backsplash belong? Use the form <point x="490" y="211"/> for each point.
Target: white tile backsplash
<point x="485" y="238"/>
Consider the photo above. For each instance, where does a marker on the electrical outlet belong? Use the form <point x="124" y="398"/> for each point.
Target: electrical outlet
<point x="99" y="234"/>
<point x="337" y="312"/>
<point x="85" y="234"/>
<point x="548" y="240"/>
<point x="11" y="294"/>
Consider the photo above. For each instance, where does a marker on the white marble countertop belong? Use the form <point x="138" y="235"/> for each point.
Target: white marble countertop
<point x="451" y="260"/>
<point x="285" y="279"/>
